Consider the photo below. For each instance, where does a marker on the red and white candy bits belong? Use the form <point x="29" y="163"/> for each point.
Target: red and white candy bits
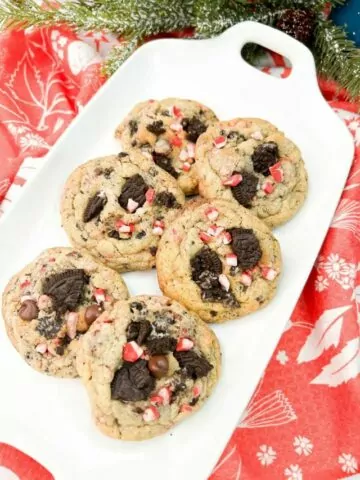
<point x="162" y="397"/>
<point x="158" y="227"/>
<point x="224" y="282"/>
<point x="132" y="352"/>
<point x="226" y="238"/>
<point x="123" y="227"/>
<point x="212" y="213"/>
<point x="184" y="344"/>
<point x="205" y="237"/>
<point x="269" y="273"/>
<point x="268" y="187"/>
<point x="71" y="323"/>
<point x="99" y="294"/>
<point x="150" y="195"/>
<point x="151" y="414"/>
<point x="246" y="279"/>
<point x="186" y="167"/>
<point x="277" y="172"/>
<point x="132" y="205"/>
<point x="220" y="141"/>
<point x="231" y="259"/>
<point x="233" y="181"/>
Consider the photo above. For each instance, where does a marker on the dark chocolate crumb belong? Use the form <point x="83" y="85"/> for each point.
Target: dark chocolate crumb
<point x="133" y="126"/>
<point x="140" y="234"/>
<point x="157" y="127"/>
<point x="153" y="251"/>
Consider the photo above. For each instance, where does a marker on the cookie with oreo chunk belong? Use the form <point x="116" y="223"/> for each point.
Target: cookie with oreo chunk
<point x="218" y="260"/>
<point x="166" y="131"/>
<point x="249" y="162"/>
<point x="117" y="207"/>
<point x="145" y="373"/>
<point x="52" y="302"/>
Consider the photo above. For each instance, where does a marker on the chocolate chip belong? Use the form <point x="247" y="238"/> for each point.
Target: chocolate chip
<point x="213" y="313"/>
<point x="246" y="247"/>
<point x="65" y="288"/>
<point x="205" y="260"/>
<point x="264" y="156"/>
<point x="122" y="154"/>
<point x="136" y="306"/>
<point x="49" y="327"/>
<point x="114" y="234"/>
<point x="107" y="172"/>
<point x="165" y="163"/>
<point x="161" y="345"/>
<point x="60" y="350"/>
<point x="195" y="366"/>
<point x="234" y="135"/>
<point x="94" y="206"/>
<point x="153" y="251"/>
<point x="133" y="126"/>
<point x="157" y="127"/>
<point x="138" y="331"/>
<point x="28" y="310"/>
<point x="158" y="366"/>
<point x="245" y="191"/>
<point x="134" y="188"/>
<point x="132" y="382"/>
<point x="166" y="199"/>
<point x="92" y="313"/>
<point x="193" y="127"/>
<point x="194" y="401"/>
<point x="140" y="234"/>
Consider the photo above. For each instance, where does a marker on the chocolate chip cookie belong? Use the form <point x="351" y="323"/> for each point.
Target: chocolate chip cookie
<point x="52" y="302"/>
<point x="116" y="208"/>
<point x="147" y="363"/>
<point x="166" y="131"/>
<point x="218" y="260"/>
<point x="250" y="162"/>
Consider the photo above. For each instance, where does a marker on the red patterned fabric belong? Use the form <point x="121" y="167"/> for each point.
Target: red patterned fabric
<point x="304" y="419"/>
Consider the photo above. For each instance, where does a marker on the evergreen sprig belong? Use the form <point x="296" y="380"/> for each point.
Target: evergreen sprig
<point x="336" y="56"/>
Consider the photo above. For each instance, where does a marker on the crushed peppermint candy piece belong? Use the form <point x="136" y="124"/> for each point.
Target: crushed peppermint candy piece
<point x="41" y="348"/>
<point x="165" y="394"/>
<point x="132" y="352"/>
<point x="156" y="400"/>
<point x="226" y="238"/>
<point x="150" y="195"/>
<point x="99" y="294"/>
<point x="151" y="414"/>
<point x="268" y="188"/>
<point x="257" y="135"/>
<point x="233" y="181"/>
<point x="184" y="344"/>
<point x="220" y="142"/>
<point x="176" y="112"/>
<point x="25" y="283"/>
<point x="131" y="205"/>
<point x="71" y="323"/>
<point x="212" y="213"/>
<point x="214" y="230"/>
<point x="123" y="227"/>
<point x="191" y="149"/>
<point x="183" y="155"/>
<point x="196" y="390"/>
<point x="176" y="126"/>
<point x="186" y="167"/>
<point x="269" y="273"/>
<point x="204" y="237"/>
<point x="277" y="172"/>
<point x="231" y="259"/>
<point x="246" y="279"/>
<point x="162" y="146"/>
<point x="158" y="227"/>
<point x="224" y="282"/>
<point x="176" y="141"/>
<point x="185" y="408"/>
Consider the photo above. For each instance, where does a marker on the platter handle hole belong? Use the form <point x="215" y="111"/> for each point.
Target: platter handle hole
<point x="262" y="58"/>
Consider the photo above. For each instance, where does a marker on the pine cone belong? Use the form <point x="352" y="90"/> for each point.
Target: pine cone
<point x="298" y="23"/>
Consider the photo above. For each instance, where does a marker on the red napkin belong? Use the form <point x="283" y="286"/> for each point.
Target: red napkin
<point x="303" y="421"/>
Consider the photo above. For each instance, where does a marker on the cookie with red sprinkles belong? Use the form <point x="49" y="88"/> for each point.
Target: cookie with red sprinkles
<point x="218" y="260"/>
<point x="117" y="208"/>
<point x="147" y="364"/>
<point x="249" y="162"/>
<point x="52" y="302"/>
<point x="166" y="131"/>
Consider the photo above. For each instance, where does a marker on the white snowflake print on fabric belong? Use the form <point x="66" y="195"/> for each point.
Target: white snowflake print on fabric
<point x="321" y="283"/>
<point x="266" y="455"/>
<point x="302" y="446"/>
<point x="336" y="269"/>
<point x="293" y="472"/>
<point x="348" y="463"/>
<point x="282" y="357"/>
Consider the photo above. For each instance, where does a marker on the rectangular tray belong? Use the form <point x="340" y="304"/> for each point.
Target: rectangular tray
<point x="49" y="418"/>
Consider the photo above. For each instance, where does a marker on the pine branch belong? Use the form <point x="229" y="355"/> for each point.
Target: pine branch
<point x="337" y="57"/>
<point x="118" y="55"/>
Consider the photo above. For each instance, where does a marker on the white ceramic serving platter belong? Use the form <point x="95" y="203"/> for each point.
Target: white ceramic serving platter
<point x="50" y="418"/>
